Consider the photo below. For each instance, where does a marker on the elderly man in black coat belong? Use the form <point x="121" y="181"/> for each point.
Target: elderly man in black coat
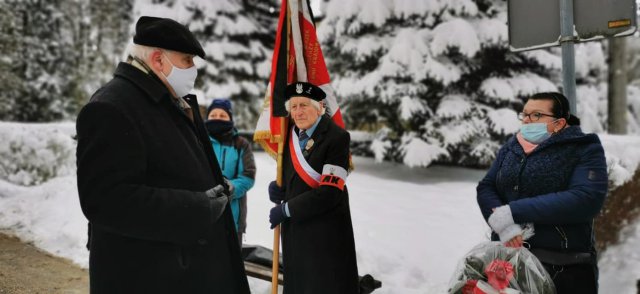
<point x="318" y="246"/>
<point x="148" y="180"/>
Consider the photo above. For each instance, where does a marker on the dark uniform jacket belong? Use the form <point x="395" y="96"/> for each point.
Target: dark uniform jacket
<point x="318" y="244"/>
<point x="143" y="167"/>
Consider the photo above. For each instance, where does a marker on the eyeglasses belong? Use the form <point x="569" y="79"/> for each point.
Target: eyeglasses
<point x="532" y="116"/>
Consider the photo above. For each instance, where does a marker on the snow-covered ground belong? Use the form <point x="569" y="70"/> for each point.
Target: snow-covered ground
<point x="411" y="225"/>
<point x="620" y="264"/>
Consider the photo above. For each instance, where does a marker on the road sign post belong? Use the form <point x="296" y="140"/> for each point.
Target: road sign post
<point x="567" y="40"/>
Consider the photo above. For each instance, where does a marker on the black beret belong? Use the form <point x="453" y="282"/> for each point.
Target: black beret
<point x="304" y="89"/>
<point x="168" y="34"/>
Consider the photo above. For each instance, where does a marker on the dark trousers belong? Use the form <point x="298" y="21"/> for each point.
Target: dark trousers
<point x="570" y="279"/>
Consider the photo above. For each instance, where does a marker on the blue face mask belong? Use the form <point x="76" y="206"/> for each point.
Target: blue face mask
<point x="535" y="133"/>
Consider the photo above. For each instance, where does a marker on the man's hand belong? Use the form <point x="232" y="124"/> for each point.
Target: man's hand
<point x="217" y="201"/>
<point x="276" y="193"/>
<point x="277" y="215"/>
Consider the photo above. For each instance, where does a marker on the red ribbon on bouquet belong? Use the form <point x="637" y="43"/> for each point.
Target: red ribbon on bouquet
<point x="499" y="272"/>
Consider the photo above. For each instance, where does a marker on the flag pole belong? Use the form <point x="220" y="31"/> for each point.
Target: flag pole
<point x="276" y="232"/>
<point x="284" y="127"/>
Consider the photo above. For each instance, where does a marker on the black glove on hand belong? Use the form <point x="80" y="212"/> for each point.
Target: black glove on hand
<point x="276" y="193"/>
<point x="217" y="200"/>
<point x="277" y="215"/>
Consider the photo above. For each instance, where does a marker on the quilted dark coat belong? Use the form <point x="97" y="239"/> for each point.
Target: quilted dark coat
<point x="560" y="187"/>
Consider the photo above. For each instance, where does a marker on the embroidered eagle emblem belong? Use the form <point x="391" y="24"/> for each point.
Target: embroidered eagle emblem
<point x="299" y="88"/>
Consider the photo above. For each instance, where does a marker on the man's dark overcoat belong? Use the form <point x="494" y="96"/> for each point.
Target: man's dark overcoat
<point x="143" y="167"/>
<point x="318" y="246"/>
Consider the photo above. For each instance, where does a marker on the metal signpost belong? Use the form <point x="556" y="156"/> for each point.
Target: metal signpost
<point x="568" y="53"/>
<point x="535" y="24"/>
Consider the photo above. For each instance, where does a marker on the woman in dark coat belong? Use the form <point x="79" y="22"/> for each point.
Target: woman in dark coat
<point x="551" y="177"/>
<point x="313" y="205"/>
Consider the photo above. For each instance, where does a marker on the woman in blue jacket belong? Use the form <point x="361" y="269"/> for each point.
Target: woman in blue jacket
<point x="235" y="157"/>
<point x="551" y="177"/>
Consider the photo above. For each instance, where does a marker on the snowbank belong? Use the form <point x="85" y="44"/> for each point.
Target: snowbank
<point x="47" y="215"/>
<point x="31" y="154"/>
<point x="623" y="157"/>
<point x="620" y="264"/>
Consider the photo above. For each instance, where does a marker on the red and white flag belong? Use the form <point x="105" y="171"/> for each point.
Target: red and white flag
<point x="297" y="56"/>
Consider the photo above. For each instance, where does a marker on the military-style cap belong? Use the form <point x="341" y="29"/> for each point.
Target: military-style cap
<point x="168" y="34"/>
<point x="304" y="89"/>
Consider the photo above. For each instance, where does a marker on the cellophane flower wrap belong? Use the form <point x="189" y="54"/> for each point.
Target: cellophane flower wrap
<point x="492" y="268"/>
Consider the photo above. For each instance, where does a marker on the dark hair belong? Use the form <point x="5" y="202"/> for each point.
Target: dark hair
<point x="560" y="107"/>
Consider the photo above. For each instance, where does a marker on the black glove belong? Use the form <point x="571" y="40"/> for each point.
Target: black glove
<point x="276" y="193"/>
<point x="277" y="215"/>
<point x="217" y="200"/>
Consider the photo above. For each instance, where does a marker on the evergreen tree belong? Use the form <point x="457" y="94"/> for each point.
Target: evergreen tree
<point x="45" y="60"/>
<point x="436" y="78"/>
<point x="633" y="91"/>
<point x="108" y="34"/>
<point x="238" y="37"/>
<point x="10" y="82"/>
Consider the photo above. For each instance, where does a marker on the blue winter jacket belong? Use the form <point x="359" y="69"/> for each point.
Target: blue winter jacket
<point x="236" y="160"/>
<point x="559" y="187"/>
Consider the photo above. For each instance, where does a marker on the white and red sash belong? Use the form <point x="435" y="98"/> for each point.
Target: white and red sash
<point x="332" y="175"/>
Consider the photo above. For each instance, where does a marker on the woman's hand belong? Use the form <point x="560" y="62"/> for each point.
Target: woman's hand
<point x="515" y="242"/>
<point x="501" y="222"/>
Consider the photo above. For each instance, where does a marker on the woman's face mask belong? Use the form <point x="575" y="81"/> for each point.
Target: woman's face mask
<point x="535" y="133"/>
<point x="181" y="80"/>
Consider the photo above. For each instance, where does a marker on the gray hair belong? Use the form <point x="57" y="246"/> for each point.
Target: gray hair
<point x="141" y="52"/>
<point x="314" y="103"/>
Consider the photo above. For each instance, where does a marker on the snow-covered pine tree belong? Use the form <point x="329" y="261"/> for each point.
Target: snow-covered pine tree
<point x="10" y="82"/>
<point x="238" y="37"/>
<point x="633" y="91"/>
<point x="435" y="76"/>
<point x="593" y="85"/>
<point x="46" y="59"/>
<point x="109" y="32"/>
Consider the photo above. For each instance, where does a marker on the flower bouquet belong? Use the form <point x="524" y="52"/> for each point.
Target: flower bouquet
<point x="492" y="268"/>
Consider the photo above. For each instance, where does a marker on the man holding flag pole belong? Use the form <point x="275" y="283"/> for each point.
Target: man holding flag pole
<point x="311" y="196"/>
